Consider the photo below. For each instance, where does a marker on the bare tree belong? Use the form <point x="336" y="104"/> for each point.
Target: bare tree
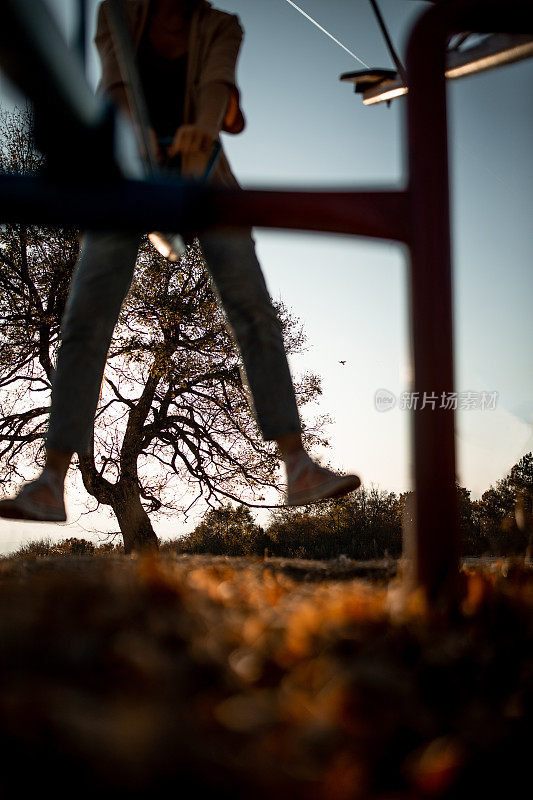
<point x="173" y="414"/>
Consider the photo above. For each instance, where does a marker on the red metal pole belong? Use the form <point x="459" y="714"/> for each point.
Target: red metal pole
<point x="432" y="546"/>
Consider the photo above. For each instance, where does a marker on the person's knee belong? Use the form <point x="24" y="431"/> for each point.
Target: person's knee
<point x="99" y="287"/>
<point x="258" y="324"/>
<point x="105" y="269"/>
<point x="90" y="323"/>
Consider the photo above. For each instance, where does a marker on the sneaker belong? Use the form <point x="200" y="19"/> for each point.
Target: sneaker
<point x="307" y="482"/>
<point x="24" y="506"/>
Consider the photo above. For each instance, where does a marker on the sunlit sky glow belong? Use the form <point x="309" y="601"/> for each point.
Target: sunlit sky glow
<point x="307" y="129"/>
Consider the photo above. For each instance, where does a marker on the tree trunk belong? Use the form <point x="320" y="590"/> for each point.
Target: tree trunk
<point x="135" y="525"/>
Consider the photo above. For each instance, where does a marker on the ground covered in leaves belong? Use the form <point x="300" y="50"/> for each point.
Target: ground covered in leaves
<point x="261" y="678"/>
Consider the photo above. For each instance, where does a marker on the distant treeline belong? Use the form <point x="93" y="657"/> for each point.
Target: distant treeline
<point x="368" y="525"/>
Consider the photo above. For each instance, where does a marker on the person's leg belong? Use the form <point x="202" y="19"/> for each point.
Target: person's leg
<point x="240" y="286"/>
<point x="238" y="282"/>
<point x="100" y="283"/>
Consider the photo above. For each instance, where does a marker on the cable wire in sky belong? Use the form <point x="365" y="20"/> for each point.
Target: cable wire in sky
<point x="327" y="33"/>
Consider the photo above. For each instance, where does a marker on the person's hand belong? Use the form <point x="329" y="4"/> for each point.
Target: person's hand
<point x="195" y="143"/>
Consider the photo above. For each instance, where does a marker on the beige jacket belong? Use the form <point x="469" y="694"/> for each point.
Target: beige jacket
<point x="214" y="43"/>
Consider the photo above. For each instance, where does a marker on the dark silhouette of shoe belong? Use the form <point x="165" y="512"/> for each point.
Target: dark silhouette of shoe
<point x="329" y="484"/>
<point x="24" y="507"/>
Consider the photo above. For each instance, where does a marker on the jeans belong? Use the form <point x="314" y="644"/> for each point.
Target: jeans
<point x="100" y="283"/>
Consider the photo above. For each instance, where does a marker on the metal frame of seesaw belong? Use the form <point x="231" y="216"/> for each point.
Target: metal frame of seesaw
<point x="83" y="185"/>
<point x="496" y="50"/>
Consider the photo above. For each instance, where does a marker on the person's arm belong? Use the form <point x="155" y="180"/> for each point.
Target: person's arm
<point x="217" y="100"/>
<point x="220" y="67"/>
<point x="213" y="102"/>
<point x="111" y="81"/>
<point x="200" y="136"/>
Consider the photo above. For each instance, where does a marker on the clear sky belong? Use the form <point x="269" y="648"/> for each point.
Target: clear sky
<point x="307" y="129"/>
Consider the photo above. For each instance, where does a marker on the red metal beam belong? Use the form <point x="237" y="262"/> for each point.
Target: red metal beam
<point x="145" y="205"/>
<point x="382" y="215"/>
<point x="433" y="545"/>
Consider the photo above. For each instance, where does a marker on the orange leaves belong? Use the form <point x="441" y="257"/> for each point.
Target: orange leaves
<point x="478" y="589"/>
<point x="434" y="768"/>
<point x="246" y="713"/>
<point x="345" y="779"/>
<point x="252" y="684"/>
<point x="329" y="608"/>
